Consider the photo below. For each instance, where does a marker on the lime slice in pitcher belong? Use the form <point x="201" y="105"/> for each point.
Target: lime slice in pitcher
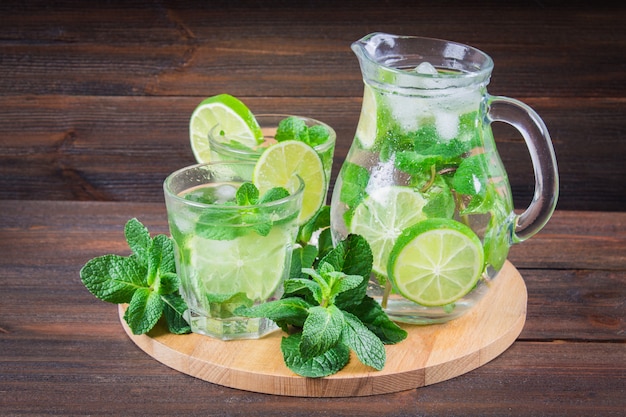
<point x="367" y="129"/>
<point x="436" y="262"/>
<point x="278" y="167"/>
<point x="230" y="117"/>
<point x="382" y="216"/>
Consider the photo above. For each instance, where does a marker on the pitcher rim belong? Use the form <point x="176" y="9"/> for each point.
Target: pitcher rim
<point x="359" y="47"/>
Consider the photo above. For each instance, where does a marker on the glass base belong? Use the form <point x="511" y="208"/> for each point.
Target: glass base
<point x="231" y="328"/>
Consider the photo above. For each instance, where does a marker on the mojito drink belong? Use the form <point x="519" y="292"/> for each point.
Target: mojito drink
<point x="231" y="249"/>
<point x="424" y="185"/>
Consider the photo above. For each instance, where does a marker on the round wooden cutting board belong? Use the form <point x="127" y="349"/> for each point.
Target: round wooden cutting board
<point x="430" y="354"/>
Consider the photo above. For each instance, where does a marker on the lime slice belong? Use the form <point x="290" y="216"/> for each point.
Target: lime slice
<point x="252" y="264"/>
<point x="382" y="216"/>
<point x="230" y="116"/>
<point x="366" y="129"/>
<point x="278" y="167"/>
<point x="436" y="262"/>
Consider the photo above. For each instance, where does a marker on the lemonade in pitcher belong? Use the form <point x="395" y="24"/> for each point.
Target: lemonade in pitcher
<point x="423" y="182"/>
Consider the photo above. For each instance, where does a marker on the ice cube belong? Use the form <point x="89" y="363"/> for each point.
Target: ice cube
<point x="408" y="111"/>
<point x="225" y="193"/>
<point x="426" y="68"/>
<point x="447" y="125"/>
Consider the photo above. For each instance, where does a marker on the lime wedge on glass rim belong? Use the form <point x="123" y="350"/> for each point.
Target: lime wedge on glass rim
<point x="230" y="116"/>
<point x="436" y="262"/>
<point x="278" y="166"/>
<point x="382" y="216"/>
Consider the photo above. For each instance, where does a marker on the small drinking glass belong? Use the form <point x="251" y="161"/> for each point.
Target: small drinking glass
<point x="224" y="148"/>
<point x="227" y="254"/>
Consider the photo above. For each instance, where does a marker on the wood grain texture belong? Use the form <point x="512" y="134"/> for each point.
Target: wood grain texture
<point x="94" y="104"/>
<point x="95" y="100"/>
<point x="64" y="352"/>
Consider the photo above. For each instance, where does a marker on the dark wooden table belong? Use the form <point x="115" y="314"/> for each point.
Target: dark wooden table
<point x="94" y="107"/>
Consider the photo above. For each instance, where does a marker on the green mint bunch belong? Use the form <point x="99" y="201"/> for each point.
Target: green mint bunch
<point x="146" y="280"/>
<point x="294" y="128"/>
<point x="327" y="312"/>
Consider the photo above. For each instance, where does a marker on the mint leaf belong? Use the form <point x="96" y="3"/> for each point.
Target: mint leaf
<point x="321" y="331"/>
<point x="160" y="260"/>
<point x="247" y="194"/>
<point x="146" y="280"/>
<point x="328" y="363"/>
<point x="293" y="311"/>
<point x="174" y="310"/>
<point x="304" y="286"/>
<point x="395" y="141"/>
<point x="168" y="283"/>
<point x="228" y="223"/>
<point x="320" y="220"/>
<point x="224" y="305"/>
<point x="113" y="278"/>
<point x="219" y="224"/>
<point x="352" y="256"/>
<point x="273" y="194"/>
<point x="324" y="243"/>
<point x="354" y="180"/>
<point x="470" y="177"/>
<point x="371" y="314"/>
<point x="332" y="310"/>
<point x="345" y="283"/>
<point x="367" y="346"/>
<point x="318" y="134"/>
<point x="414" y="163"/>
<point x="302" y="257"/>
<point x="484" y="202"/>
<point x="292" y="128"/>
<point x="144" y="311"/>
<point x="424" y="138"/>
<point x="138" y="239"/>
<point x="440" y="204"/>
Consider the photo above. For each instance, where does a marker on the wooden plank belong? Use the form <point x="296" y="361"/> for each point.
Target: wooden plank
<point x="576" y="240"/>
<point x="119" y="49"/>
<point x="52" y="359"/>
<point x="83" y="375"/>
<point x="44" y="245"/>
<point x="122" y="148"/>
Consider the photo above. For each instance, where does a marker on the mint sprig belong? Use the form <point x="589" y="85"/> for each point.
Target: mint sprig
<point x="295" y="128"/>
<point x="327" y="313"/>
<point x="228" y="224"/>
<point x="146" y="280"/>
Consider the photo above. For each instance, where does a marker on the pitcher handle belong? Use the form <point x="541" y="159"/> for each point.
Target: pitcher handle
<point x="537" y="138"/>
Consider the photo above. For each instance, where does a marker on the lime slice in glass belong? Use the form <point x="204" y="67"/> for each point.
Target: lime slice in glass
<point x="230" y="116"/>
<point x="382" y="216"/>
<point x="278" y="167"/>
<point x="436" y="262"/>
<point x="252" y="264"/>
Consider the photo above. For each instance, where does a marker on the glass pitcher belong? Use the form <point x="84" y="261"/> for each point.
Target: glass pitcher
<point x="423" y="182"/>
